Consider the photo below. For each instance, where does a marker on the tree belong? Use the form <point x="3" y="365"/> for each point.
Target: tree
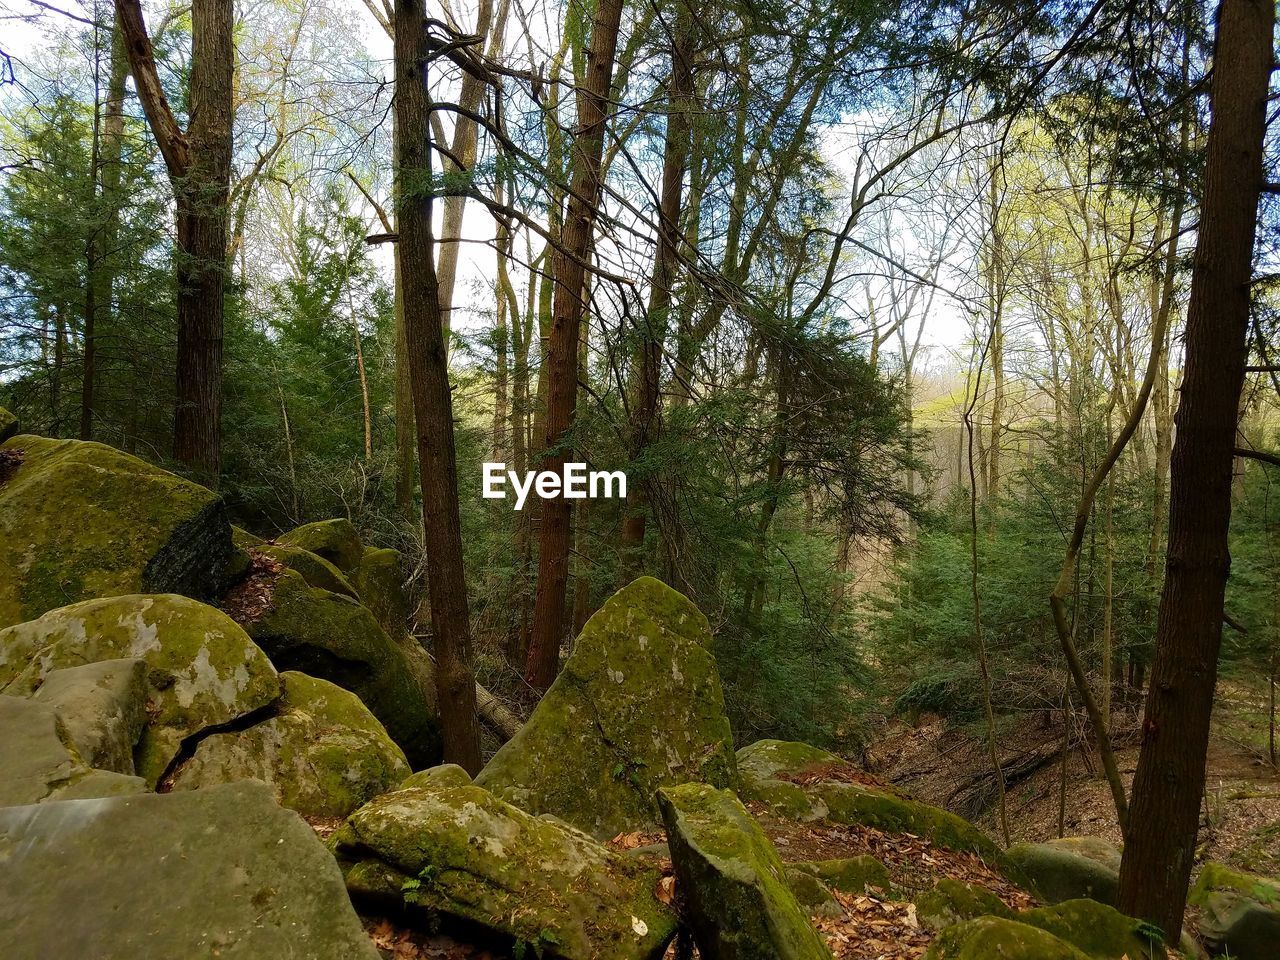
<point x="1169" y="783"/>
<point x="199" y="164"/>
<point x="570" y="258"/>
<point x="428" y="361"/>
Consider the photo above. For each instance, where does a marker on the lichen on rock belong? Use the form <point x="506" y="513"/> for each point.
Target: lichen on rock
<point x="321" y="751"/>
<point x="327" y="635"/>
<point x="734" y="885"/>
<point x="79" y="520"/>
<point x="637" y="706"/>
<point x="203" y="670"/>
<point x="460" y="852"/>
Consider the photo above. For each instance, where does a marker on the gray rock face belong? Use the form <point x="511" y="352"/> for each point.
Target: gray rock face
<point x="203" y="670"/>
<point x="38" y="764"/>
<point x="221" y="872"/>
<point x="736" y="895"/>
<point x="637" y="706"/>
<point x="103" y="707"/>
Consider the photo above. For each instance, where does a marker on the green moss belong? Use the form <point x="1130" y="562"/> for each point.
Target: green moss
<point x="466" y="854"/>
<point x="244" y="539"/>
<point x="765" y="759"/>
<point x="337" y="541"/>
<point x="812" y="894"/>
<point x="8" y="424"/>
<point x="323" y="753"/>
<point x="442" y="777"/>
<point x="81" y="520"/>
<point x="1239" y="912"/>
<point x="1100" y="931"/>
<point x="333" y="637"/>
<point x="637" y="706"/>
<point x="315" y="569"/>
<point x="379" y="582"/>
<point x="1217" y="877"/>
<point x="853" y="803"/>
<point x="1057" y="872"/>
<point x="204" y="670"/>
<point x="988" y="938"/>
<point x="950" y="901"/>
<point x="734" y="884"/>
<point x="849" y="875"/>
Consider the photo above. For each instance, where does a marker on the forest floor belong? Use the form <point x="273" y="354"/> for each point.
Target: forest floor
<point x="1240" y="821"/>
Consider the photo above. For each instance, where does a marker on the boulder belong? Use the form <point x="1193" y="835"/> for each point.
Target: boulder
<point x="80" y="520"/>
<point x="637" y="706"/>
<point x="37" y="763"/>
<point x="445" y="775"/>
<point x="814" y="896"/>
<point x="1098" y="930"/>
<point x="203" y="670"/>
<point x="222" y="872"/>
<point x="951" y="901"/>
<point x="379" y="582"/>
<point x="851" y="875"/>
<point x="327" y="635"/>
<point x="315" y="569"/>
<point x="765" y="760"/>
<point x="854" y="803"/>
<point x="103" y="708"/>
<point x="1239" y="912"/>
<point x="460" y="853"/>
<point x="988" y="938"/>
<point x="322" y="751"/>
<point x="8" y="425"/>
<point x="337" y="541"/>
<point x="1068" y="869"/>
<point x="734" y="885"/>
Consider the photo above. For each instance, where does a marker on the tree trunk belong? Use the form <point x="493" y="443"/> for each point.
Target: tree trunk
<point x="653" y="330"/>
<point x="199" y="165"/>
<point x="1169" y="784"/>
<point x="432" y="401"/>
<point x="562" y="359"/>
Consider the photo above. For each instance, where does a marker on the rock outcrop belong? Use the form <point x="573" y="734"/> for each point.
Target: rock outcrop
<point x="1239" y="912"/>
<point x="1071" y="868"/>
<point x="637" y="706"/>
<point x="988" y="938"/>
<point x="450" y="849"/>
<point x="203" y="670"/>
<point x="1100" y="931"/>
<point x="337" y="541"/>
<point x="335" y="638"/>
<point x="38" y="763"/>
<point x="733" y="884"/>
<point x="952" y="901"/>
<point x="80" y="520"/>
<point x="322" y="752"/>
<point x="222" y="872"/>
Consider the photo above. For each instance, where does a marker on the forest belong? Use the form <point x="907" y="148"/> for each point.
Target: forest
<point x="902" y="378"/>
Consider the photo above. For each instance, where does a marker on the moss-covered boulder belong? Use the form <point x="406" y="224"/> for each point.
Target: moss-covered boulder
<point x="1239" y="912"/>
<point x="637" y="706"/>
<point x="951" y="901"/>
<point x="8" y="424"/>
<point x="734" y="886"/>
<point x="222" y="872"/>
<point x="315" y="569"/>
<point x="379" y="582"/>
<point x="461" y="853"/>
<point x="848" y="875"/>
<point x="322" y="751"/>
<point x="337" y="541"/>
<point x="996" y="938"/>
<point x="867" y="806"/>
<point x="328" y="635"/>
<point x="80" y="520"/>
<point x="38" y="762"/>
<point x="204" y="671"/>
<point x="103" y="709"/>
<point x="814" y="896"/>
<point x="1098" y="930"/>
<point x="766" y="760"/>
<point x="441" y="777"/>
<point x="1069" y="869"/>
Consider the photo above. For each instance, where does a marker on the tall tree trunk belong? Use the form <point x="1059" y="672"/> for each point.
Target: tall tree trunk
<point x="562" y="360"/>
<point x="1169" y="784"/>
<point x="405" y="453"/>
<point x="199" y="165"/>
<point x="432" y="400"/>
<point x="653" y="330"/>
